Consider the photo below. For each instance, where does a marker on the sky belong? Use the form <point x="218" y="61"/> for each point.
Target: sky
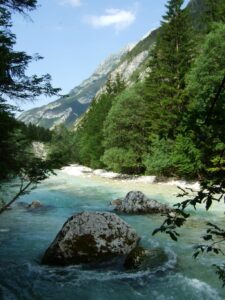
<point x="75" y="36"/>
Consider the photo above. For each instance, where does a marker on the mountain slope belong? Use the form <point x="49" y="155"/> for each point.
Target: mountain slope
<point x="130" y="63"/>
<point x="68" y="108"/>
<point x="132" y="68"/>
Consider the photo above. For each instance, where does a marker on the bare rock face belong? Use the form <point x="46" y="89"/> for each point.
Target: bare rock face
<point x="91" y="237"/>
<point x="137" y="202"/>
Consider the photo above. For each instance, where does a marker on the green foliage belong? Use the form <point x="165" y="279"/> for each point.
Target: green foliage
<point x="121" y="160"/>
<point x="31" y="172"/>
<point x="126" y="128"/>
<point x="89" y="136"/>
<point x="62" y="149"/>
<point x="205" y="125"/>
<point x="204" y="13"/>
<point x="158" y="161"/>
<point x="206" y="77"/>
<point x="14" y="140"/>
<point x="16" y="156"/>
<point x="179" y="157"/>
<point x="220" y="271"/>
<point x="186" y="157"/>
<point x="213" y="11"/>
<point x="20" y="162"/>
<point x="35" y="133"/>
<point x="20" y="6"/>
<point x="15" y="84"/>
<point x="158" y="126"/>
<point x="170" y="60"/>
<point x="114" y="86"/>
<point x="206" y="89"/>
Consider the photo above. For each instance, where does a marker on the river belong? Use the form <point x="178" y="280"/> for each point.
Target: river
<point x="24" y="236"/>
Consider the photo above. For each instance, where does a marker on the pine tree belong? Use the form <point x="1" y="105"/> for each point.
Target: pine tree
<point x="205" y="127"/>
<point x="90" y="135"/>
<point x="171" y="59"/>
<point x="115" y="85"/>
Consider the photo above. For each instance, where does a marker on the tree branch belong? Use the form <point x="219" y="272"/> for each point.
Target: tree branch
<point x="21" y="191"/>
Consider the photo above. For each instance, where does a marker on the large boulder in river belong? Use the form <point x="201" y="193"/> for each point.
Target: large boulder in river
<point x="91" y="237"/>
<point x="137" y="202"/>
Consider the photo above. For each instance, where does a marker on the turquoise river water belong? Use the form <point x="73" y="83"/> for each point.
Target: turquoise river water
<point x="24" y="236"/>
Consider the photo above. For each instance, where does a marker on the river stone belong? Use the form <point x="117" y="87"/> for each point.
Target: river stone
<point x="91" y="237"/>
<point x="116" y="202"/>
<point x="142" y="259"/>
<point x="137" y="202"/>
<point x="34" y="204"/>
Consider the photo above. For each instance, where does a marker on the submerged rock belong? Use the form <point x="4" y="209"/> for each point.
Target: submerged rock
<point x="34" y="204"/>
<point x="141" y="259"/>
<point x="137" y="202"/>
<point x="91" y="237"/>
<point x="116" y="202"/>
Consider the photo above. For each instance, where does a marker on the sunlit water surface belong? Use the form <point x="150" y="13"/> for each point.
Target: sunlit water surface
<point x="24" y="236"/>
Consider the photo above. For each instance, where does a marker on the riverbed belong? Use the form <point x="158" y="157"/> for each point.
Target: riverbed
<point x="25" y="235"/>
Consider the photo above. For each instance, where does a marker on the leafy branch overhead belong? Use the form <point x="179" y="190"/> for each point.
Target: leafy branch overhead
<point x="33" y="171"/>
<point x="14" y="83"/>
<point x="18" y="161"/>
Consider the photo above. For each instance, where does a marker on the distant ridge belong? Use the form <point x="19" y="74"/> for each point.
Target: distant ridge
<point x="68" y="109"/>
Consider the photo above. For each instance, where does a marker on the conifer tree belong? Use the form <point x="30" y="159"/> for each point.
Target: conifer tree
<point x="214" y="11"/>
<point x="90" y="135"/>
<point x="205" y="127"/>
<point x="171" y="59"/>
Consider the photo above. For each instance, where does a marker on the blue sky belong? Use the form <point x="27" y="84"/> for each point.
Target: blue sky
<point x="74" y="36"/>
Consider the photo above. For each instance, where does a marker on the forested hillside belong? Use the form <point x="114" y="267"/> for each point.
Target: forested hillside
<point x="171" y="122"/>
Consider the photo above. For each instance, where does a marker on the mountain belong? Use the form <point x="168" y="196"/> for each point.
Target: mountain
<point x="128" y="63"/>
<point x="68" y="108"/>
<point x="132" y="68"/>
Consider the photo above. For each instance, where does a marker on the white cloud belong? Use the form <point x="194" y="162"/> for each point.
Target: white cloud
<point x="117" y="18"/>
<point x="75" y="3"/>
